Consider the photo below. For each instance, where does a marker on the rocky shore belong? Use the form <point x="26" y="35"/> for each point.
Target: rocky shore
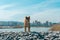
<point x="51" y="35"/>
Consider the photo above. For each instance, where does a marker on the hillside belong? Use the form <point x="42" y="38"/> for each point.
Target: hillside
<point x="55" y="27"/>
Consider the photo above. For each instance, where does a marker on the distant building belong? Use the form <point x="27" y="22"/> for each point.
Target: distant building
<point x="10" y="24"/>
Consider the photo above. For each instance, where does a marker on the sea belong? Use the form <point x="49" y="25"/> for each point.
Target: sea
<point x="36" y="29"/>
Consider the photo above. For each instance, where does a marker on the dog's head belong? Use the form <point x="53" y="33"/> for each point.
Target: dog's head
<point x="27" y="18"/>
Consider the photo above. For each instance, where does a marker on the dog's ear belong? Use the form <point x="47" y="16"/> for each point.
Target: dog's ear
<point x="28" y="17"/>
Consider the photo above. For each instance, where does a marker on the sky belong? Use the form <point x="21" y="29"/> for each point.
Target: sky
<point x="41" y="10"/>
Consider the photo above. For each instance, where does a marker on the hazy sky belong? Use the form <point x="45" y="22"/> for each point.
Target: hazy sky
<point x="41" y="10"/>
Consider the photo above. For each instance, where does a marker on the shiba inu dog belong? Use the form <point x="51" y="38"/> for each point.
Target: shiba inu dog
<point x="27" y="23"/>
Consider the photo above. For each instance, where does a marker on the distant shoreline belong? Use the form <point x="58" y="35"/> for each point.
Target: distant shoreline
<point x="23" y="27"/>
<point x="45" y="27"/>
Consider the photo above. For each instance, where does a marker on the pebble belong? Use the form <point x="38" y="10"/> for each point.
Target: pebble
<point x="30" y="35"/>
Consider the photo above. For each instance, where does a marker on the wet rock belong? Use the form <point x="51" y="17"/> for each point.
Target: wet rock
<point x="30" y="36"/>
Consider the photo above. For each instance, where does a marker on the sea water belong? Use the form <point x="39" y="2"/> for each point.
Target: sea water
<point x="37" y="29"/>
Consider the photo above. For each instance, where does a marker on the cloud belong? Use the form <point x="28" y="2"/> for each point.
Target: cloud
<point x="42" y="11"/>
<point x="52" y="15"/>
<point x="6" y="6"/>
<point x="8" y="14"/>
<point x="44" y="5"/>
<point x="12" y="15"/>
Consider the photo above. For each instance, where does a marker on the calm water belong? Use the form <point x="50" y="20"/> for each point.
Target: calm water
<point x="37" y="29"/>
